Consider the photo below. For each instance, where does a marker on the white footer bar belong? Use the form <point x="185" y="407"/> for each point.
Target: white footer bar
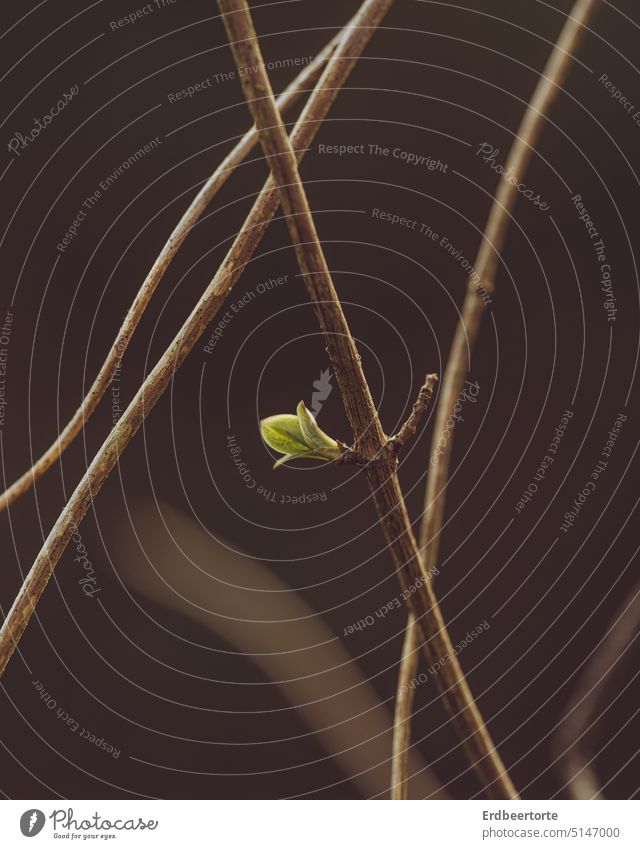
<point x="319" y="824"/>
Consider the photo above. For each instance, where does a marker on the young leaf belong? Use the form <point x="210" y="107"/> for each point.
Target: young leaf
<point x="283" y="434"/>
<point x="313" y="435"/>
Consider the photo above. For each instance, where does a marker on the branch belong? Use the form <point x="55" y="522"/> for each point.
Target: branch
<point x="353" y="40"/>
<point x="308" y="76"/>
<point x="401" y="745"/>
<point x="369" y="436"/>
<point x="485" y="266"/>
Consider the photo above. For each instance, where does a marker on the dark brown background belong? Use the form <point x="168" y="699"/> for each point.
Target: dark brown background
<point x="438" y="79"/>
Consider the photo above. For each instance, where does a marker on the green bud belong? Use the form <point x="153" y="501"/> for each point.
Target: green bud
<point x="298" y="436"/>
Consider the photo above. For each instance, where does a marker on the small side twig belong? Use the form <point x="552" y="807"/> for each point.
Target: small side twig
<point x="353" y="40"/>
<point x="307" y="77"/>
<point x="393" y="445"/>
<point x="485" y="266"/>
<point x="408" y="429"/>
<point x="359" y="406"/>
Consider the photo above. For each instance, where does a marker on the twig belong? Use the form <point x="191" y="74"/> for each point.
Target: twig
<point x="353" y="40"/>
<point x="578" y="718"/>
<point x="359" y="406"/>
<point x="485" y="266"/>
<point x="393" y="445"/>
<point x="307" y="77"/>
<point x="408" y="429"/>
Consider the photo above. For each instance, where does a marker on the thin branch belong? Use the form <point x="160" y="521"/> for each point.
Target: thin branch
<point x="353" y="40"/>
<point x="408" y="669"/>
<point x="486" y="263"/>
<point x="485" y="266"/>
<point x="578" y="718"/>
<point x="307" y="77"/>
<point x="401" y="745"/>
<point x="359" y="406"/>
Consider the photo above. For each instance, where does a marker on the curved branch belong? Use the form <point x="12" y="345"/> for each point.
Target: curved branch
<point x="486" y="263"/>
<point x="485" y="266"/>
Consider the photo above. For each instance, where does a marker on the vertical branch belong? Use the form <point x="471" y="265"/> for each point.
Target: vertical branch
<point x="369" y="436"/>
<point x="360" y="409"/>
<point x="485" y="265"/>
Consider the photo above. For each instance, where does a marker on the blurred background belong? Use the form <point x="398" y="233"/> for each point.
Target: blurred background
<point x="198" y="638"/>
